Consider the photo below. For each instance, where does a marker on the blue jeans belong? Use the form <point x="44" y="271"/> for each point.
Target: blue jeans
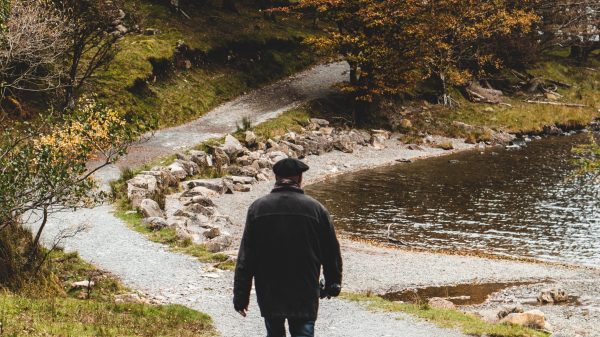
<point x="298" y="328"/>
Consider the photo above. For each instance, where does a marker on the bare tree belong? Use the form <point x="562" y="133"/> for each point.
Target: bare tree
<point x="33" y="44"/>
<point x="97" y="25"/>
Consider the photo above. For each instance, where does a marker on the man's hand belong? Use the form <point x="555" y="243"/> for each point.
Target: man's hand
<point x="243" y="312"/>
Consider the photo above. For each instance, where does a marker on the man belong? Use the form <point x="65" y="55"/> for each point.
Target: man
<point x="288" y="237"/>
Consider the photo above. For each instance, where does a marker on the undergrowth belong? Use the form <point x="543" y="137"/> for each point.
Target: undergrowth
<point x="446" y="318"/>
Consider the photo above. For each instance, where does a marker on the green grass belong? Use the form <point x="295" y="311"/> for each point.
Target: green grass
<point x="167" y="236"/>
<point x="444" y="318"/>
<point x="71" y="317"/>
<point x="187" y="94"/>
<point x="522" y="117"/>
<point x="289" y="121"/>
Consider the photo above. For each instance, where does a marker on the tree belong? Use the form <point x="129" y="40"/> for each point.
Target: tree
<point x="393" y="46"/>
<point x="97" y="25"/>
<point x="572" y="24"/>
<point x="33" y="44"/>
<point x="44" y="169"/>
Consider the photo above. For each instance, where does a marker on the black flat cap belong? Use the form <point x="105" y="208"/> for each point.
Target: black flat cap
<point x="289" y="167"/>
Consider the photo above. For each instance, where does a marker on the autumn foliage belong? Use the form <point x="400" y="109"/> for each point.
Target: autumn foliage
<point x="394" y="46"/>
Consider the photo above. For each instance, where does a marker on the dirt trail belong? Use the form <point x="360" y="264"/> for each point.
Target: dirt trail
<point x="174" y="278"/>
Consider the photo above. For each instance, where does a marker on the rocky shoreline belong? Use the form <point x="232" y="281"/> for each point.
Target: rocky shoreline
<point x="212" y="212"/>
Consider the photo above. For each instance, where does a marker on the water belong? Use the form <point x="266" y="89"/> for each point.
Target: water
<point x="525" y="203"/>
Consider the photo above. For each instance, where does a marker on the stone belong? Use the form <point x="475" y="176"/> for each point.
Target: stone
<point x="137" y="194"/>
<point x="262" y="177"/>
<point x="378" y="141"/>
<point x="178" y="170"/>
<point x="164" y="177"/>
<point x="177" y="221"/>
<point x="509" y="310"/>
<point x="552" y="130"/>
<point x="552" y="296"/>
<point x="244" y="161"/>
<point x="212" y="233"/>
<point x="199" y="209"/>
<point x="83" y="284"/>
<point x="440" y="303"/>
<point x="151" y="31"/>
<point x="150" y="209"/>
<point x="144" y="181"/>
<point x="201" y="158"/>
<point x="277" y="156"/>
<point x="184" y="234"/>
<point x="201" y="200"/>
<point x="533" y="319"/>
<point x="344" y="144"/>
<point x="220" y="158"/>
<point x="130" y="298"/>
<point x="320" y="122"/>
<point x="250" y="138"/>
<point x="199" y="191"/>
<point x="212" y="184"/>
<point x="219" y="244"/>
<point x="327" y="131"/>
<point x="240" y="179"/>
<point x="383" y="133"/>
<point x="552" y="96"/>
<point x="414" y="147"/>
<point x="190" y="167"/>
<point x="155" y="223"/>
<point x="232" y="146"/>
<point x="242" y="187"/>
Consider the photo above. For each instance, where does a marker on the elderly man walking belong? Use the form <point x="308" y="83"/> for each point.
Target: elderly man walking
<point x="288" y="238"/>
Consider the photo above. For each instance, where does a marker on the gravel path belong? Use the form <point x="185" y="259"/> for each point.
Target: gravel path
<point x="174" y="278"/>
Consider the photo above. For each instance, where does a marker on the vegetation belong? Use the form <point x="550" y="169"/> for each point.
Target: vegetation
<point x="446" y="318"/>
<point x="49" y="305"/>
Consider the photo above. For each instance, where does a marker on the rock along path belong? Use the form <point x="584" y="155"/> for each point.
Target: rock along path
<point x="174" y="278"/>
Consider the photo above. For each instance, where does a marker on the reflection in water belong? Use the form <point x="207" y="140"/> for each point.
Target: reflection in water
<point x="517" y="203"/>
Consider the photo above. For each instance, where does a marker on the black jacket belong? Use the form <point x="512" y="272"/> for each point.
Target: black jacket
<point x="288" y="237"/>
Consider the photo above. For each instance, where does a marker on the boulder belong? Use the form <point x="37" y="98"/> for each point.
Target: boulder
<point x="144" y="181"/>
<point x="130" y="298"/>
<point x="215" y="185"/>
<point x="184" y="234"/>
<point x="155" y="223"/>
<point x="137" y="194"/>
<point x="242" y="187"/>
<point x="232" y="146"/>
<point x="220" y="158"/>
<point x="178" y="170"/>
<point x="326" y="131"/>
<point x="201" y="158"/>
<point x="177" y="221"/>
<point x="164" y="177"/>
<point x="344" y="143"/>
<point x="199" y="191"/>
<point x="150" y="209"/>
<point x="509" y="310"/>
<point x="552" y="296"/>
<point x="212" y="233"/>
<point x="201" y="200"/>
<point x="190" y="167"/>
<point x="247" y="171"/>
<point x="320" y="122"/>
<point x="244" y="161"/>
<point x="382" y="133"/>
<point x="378" y="141"/>
<point x="250" y="138"/>
<point x="219" y="244"/>
<point x="240" y="179"/>
<point x="83" y="284"/>
<point x="440" y="303"/>
<point x="414" y="147"/>
<point x="552" y="130"/>
<point x="533" y="319"/>
<point x="198" y="209"/>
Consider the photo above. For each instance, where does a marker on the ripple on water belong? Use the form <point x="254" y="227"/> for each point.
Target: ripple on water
<point x="517" y="203"/>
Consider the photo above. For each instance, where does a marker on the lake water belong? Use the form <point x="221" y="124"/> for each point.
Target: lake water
<point x="526" y="203"/>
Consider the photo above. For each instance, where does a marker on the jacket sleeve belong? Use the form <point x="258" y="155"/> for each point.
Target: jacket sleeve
<point x="332" y="256"/>
<point x="245" y="268"/>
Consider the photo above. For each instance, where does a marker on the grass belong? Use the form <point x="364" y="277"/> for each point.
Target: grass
<point x="239" y="52"/>
<point x="444" y="318"/>
<point x="47" y="304"/>
<point x="71" y="317"/>
<point x="522" y="117"/>
<point x="168" y="236"/>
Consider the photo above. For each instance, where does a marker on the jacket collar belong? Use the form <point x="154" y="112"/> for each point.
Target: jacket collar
<point x="287" y="188"/>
